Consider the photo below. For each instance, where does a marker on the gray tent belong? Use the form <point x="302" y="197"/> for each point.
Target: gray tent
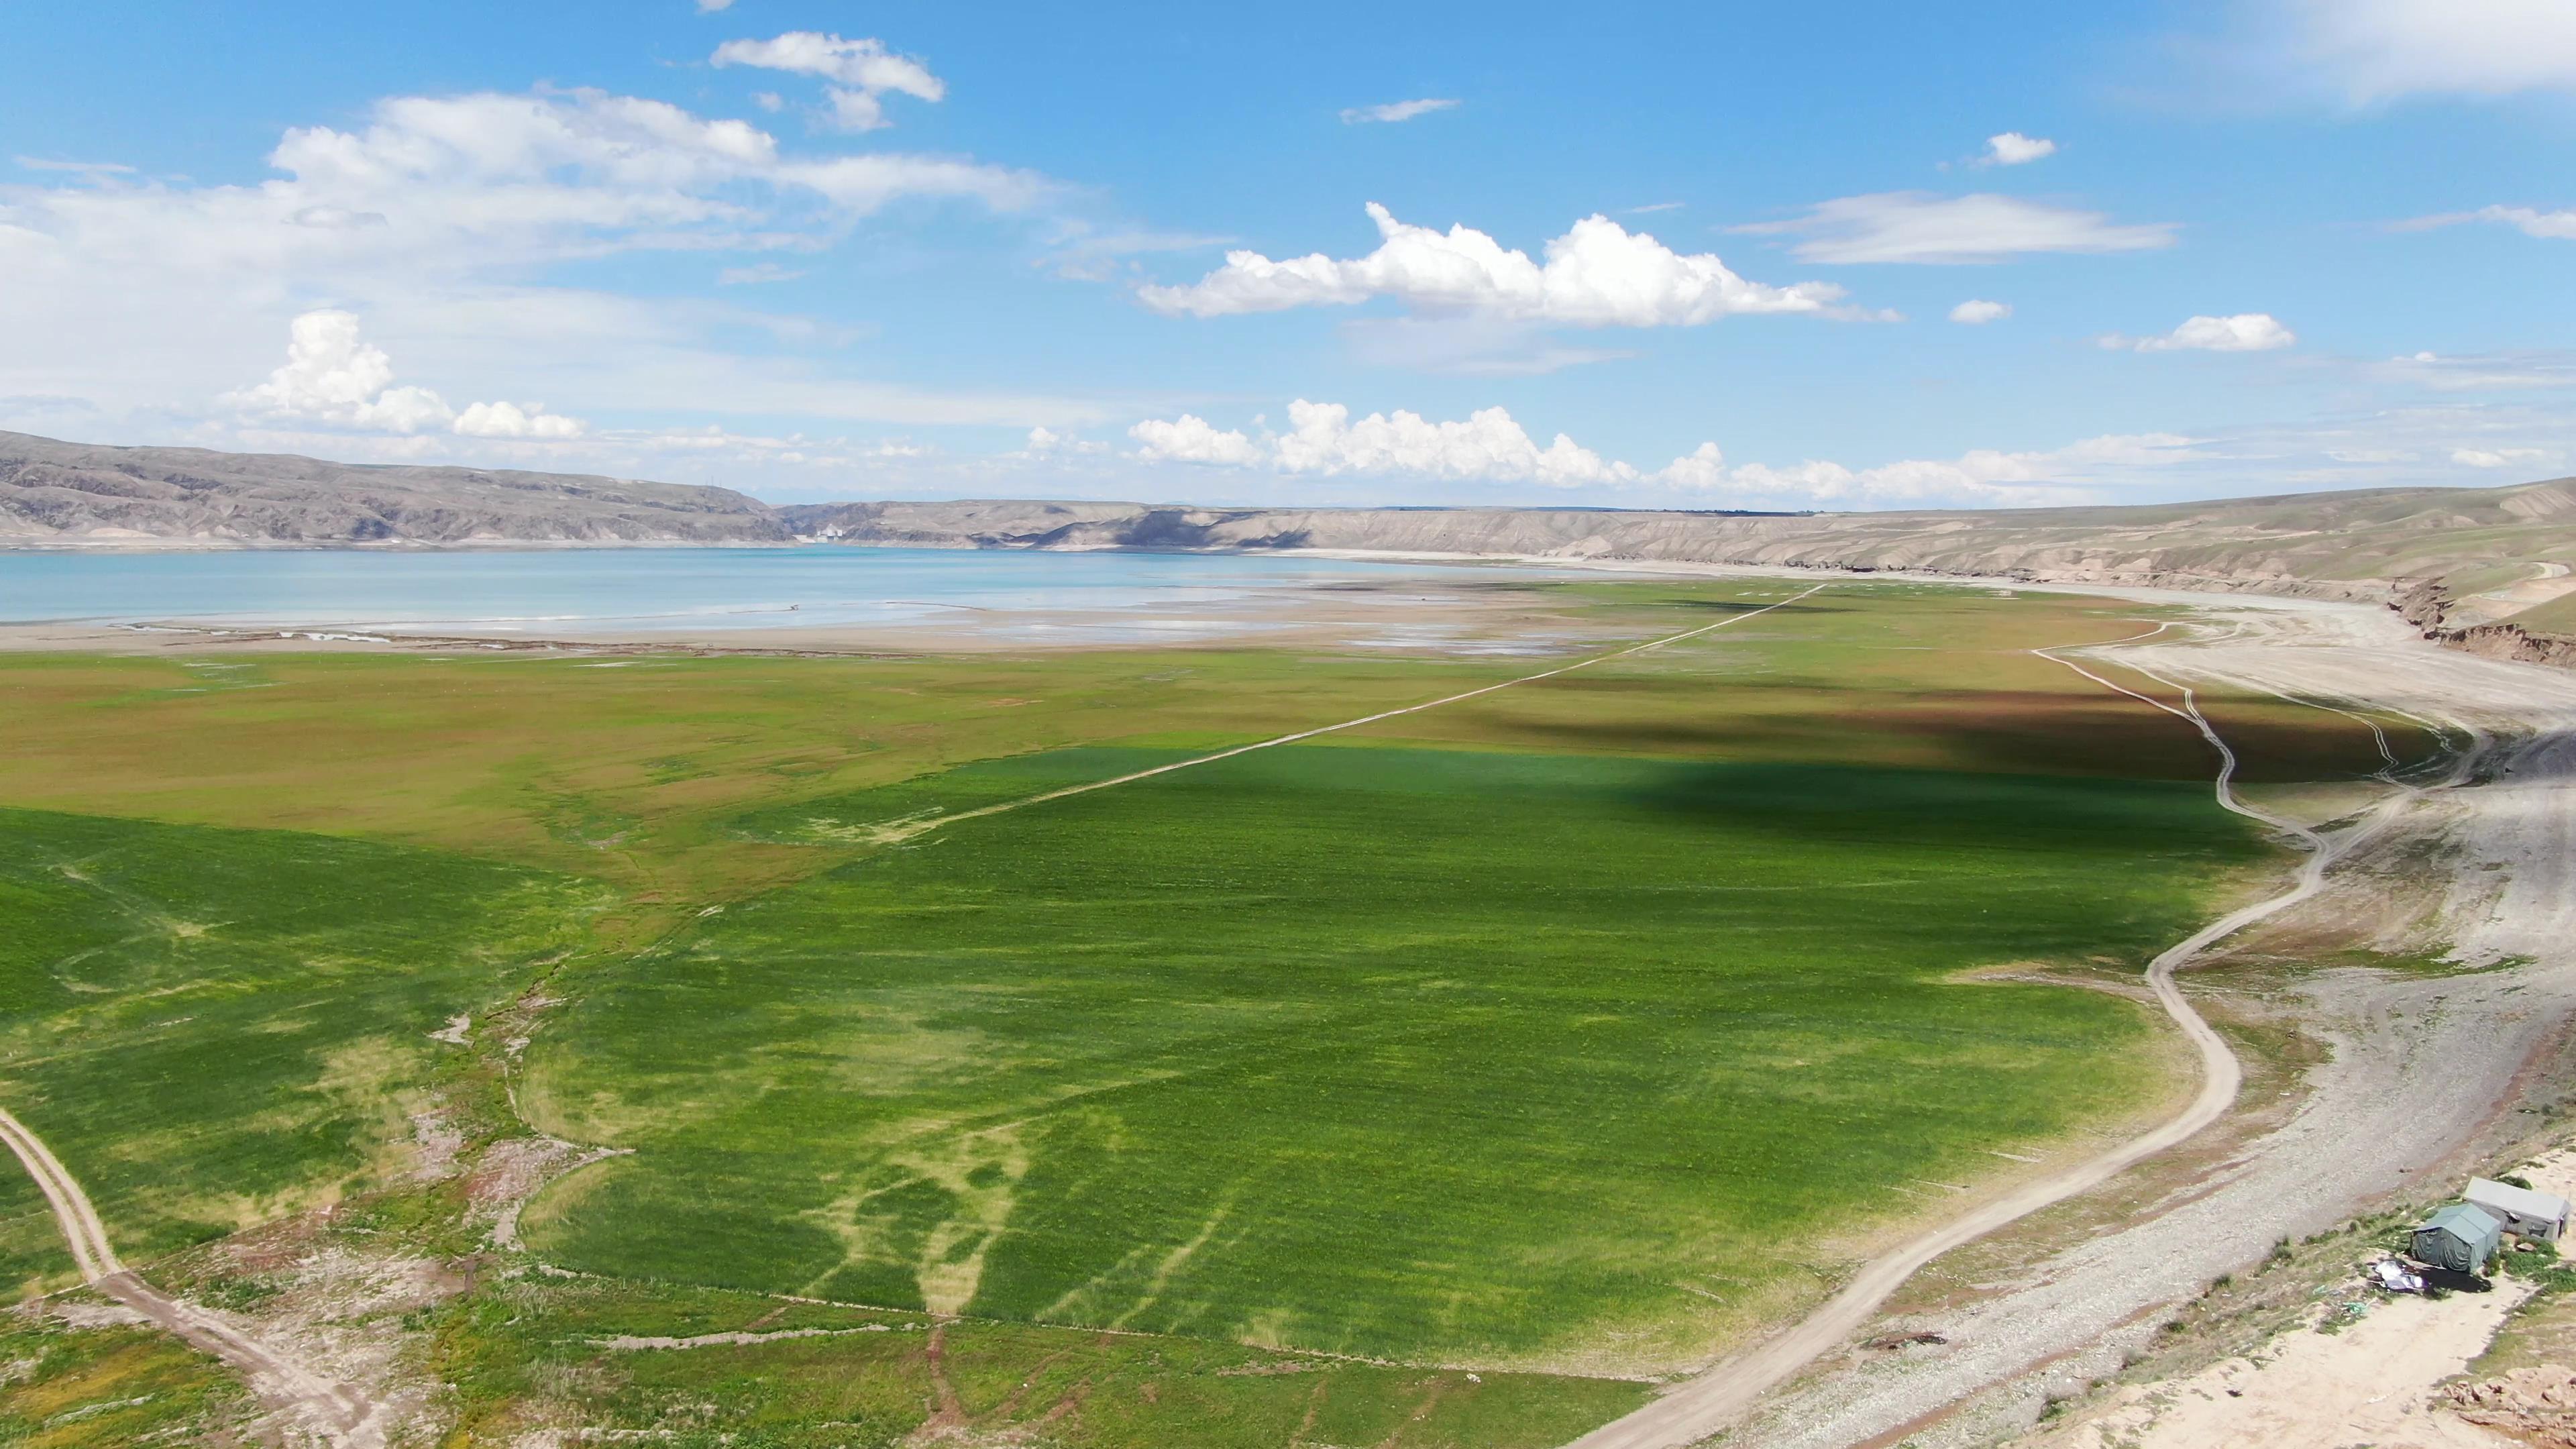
<point x="2459" y="1237"/>
<point x="2530" y="1214"/>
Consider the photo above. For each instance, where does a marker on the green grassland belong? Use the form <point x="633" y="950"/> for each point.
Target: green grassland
<point x="532" y="1351"/>
<point x="108" y="1388"/>
<point x="2558" y="616"/>
<point x="223" y="1026"/>
<point x="1520" y="1032"/>
<point x="1478" y="1056"/>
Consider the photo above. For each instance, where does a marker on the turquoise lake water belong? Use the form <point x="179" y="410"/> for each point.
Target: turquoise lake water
<point x="639" y="591"/>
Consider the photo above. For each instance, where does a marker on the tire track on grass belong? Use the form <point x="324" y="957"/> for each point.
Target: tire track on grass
<point x="341" y="1413"/>
<point x="1717" y="1398"/>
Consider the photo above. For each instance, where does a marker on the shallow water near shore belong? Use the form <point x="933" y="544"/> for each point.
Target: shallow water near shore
<point x="644" y="592"/>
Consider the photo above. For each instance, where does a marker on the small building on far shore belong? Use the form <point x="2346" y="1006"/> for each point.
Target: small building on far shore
<point x="2461" y="1238"/>
<point x="2523" y="1212"/>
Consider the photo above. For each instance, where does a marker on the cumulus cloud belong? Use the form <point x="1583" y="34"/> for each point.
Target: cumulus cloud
<point x="2012" y="148"/>
<point x="1599" y="274"/>
<point x="1394" y="111"/>
<point x="2381" y="50"/>
<point x="710" y="7"/>
<point x="333" y="375"/>
<point x="1190" y="438"/>
<point x="1048" y="443"/>
<point x="512" y="420"/>
<point x="1490" y="446"/>
<point x="861" y="72"/>
<point x="2244" y="332"/>
<point x="1977" y="313"/>
<point x="1914" y="226"/>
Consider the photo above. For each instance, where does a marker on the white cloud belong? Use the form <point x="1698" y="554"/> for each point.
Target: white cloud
<point x="1048" y="443"/>
<point x="514" y="420"/>
<point x="2530" y="221"/>
<point x="153" y="289"/>
<point x="1984" y="476"/>
<point x="333" y="375"/>
<point x="2380" y="50"/>
<point x="2012" y="148"/>
<point x="1395" y="111"/>
<point x="861" y="71"/>
<point x="1491" y="447"/>
<point x="2244" y="332"/>
<point x="1598" y="274"/>
<point x="1324" y="440"/>
<point x="1914" y="226"/>
<point x="1190" y="438"/>
<point x="1701" y="469"/>
<point x="2487" y="373"/>
<point x="75" y="168"/>
<point x="1977" y="313"/>
<point x="2496" y="457"/>
<point x="711" y="7"/>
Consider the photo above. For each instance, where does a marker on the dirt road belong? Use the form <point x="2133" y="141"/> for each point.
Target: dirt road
<point x="906" y="829"/>
<point x="334" y="1412"/>
<point x="2418" y="1063"/>
<point x="1722" y="1395"/>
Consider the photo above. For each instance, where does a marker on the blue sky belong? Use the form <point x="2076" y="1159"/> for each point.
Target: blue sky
<point x="1703" y="255"/>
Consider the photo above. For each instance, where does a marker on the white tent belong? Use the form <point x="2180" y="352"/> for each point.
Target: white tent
<point x="2523" y="1212"/>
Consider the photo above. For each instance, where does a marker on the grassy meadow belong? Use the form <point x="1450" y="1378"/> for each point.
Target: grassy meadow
<point x="1477" y="1055"/>
<point x="1574" y="1029"/>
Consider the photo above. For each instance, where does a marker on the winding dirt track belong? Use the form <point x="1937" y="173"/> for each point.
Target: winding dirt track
<point x="1718" y="1397"/>
<point x="337" y="1412"/>
<point x="2417" y="1064"/>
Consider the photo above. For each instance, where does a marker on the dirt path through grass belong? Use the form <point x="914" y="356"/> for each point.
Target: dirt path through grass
<point x="1726" y="1392"/>
<point x="341" y="1414"/>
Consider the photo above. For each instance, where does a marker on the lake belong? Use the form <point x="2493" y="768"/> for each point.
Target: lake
<point x="644" y="591"/>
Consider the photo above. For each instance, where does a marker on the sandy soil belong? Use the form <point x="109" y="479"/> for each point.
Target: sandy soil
<point x="2419" y="1064"/>
<point x="2374" y="1382"/>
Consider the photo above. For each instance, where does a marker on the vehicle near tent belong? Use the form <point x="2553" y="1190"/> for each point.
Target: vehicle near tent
<point x="2461" y="1238"/>
<point x="2523" y="1212"/>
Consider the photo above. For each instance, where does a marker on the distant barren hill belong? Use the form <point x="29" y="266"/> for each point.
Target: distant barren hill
<point x="73" y="492"/>
<point x="2501" y="560"/>
<point x="2515" y="544"/>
